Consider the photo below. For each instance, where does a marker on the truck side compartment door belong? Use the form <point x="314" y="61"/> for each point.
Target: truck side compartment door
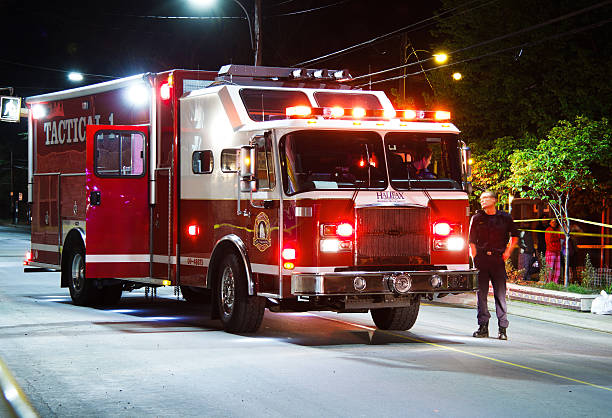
<point x="117" y="224"/>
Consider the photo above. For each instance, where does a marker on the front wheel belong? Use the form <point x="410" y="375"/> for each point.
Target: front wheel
<point x="398" y="319"/>
<point x="83" y="292"/>
<point x="240" y="313"/>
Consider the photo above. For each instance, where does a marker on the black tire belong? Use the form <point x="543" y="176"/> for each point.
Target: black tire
<point x="111" y="295"/>
<point x="82" y="291"/>
<point x="196" y="295"/>
<point x="399" y="319"/>
<point x="239" y="312"/>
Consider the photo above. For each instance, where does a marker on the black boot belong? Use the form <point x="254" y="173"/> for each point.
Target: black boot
<point x="482" y="331"/>
<point x="502" y="333"/>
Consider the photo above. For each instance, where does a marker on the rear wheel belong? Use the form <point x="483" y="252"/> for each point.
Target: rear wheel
<point x="83" y="292"/>
<point x="399" y="319"/>
<point x="239" y="312"/>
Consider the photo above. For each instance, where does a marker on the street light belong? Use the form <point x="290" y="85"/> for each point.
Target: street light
<point x="439" y="58"/>
<point x="76" y="77"/>
<point x="457" y="76"/>
<point x="256" y="49"/>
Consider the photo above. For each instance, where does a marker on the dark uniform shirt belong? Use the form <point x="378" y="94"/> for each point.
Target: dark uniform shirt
<point x="492" y="232"/>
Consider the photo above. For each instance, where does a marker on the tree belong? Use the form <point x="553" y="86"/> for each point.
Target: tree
<point x="491" y="168"/>
<point x="564" y="164"/>
<point x="533" y="75"/>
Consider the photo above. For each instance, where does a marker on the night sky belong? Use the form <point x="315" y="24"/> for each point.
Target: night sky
<point x="122" y="38"/>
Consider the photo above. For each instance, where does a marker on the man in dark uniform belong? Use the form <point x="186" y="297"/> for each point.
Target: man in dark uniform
<point x="493" y="235"/>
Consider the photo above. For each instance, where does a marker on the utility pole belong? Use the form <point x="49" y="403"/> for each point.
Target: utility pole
<point x="257" y="29"/>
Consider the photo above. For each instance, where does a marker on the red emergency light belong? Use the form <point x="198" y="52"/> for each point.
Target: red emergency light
<point x="165" y="91"/>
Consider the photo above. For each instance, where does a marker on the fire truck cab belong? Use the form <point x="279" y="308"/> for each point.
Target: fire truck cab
<point x="251" y="188"/>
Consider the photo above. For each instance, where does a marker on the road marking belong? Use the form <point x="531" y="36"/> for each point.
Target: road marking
<point x="466" y="352"/>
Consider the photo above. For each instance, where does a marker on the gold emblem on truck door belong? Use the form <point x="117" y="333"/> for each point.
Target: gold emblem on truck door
<point x="262" y="232"/>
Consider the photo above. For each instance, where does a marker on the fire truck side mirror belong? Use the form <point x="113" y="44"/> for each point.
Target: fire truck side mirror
<point x="466" y="166"/>
<point x="247" y="162"/>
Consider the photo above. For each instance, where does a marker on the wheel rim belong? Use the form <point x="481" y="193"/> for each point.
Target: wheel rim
<point x="227" y="291"/>
<point x="77" y="272"/>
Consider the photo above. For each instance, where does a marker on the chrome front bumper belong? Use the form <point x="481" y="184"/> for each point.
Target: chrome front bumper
<point x="384" y="282"/>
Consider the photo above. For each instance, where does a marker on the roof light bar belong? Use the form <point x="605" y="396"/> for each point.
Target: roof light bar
<point x="298" y="111"/>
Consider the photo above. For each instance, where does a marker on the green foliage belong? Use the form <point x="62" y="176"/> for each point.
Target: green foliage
<point x="552" y="286"/>
<point x="589" y="272"/>
<point x="491" y="169"/>
<point x="574" y="288"/>
<point x="544" y="269"/>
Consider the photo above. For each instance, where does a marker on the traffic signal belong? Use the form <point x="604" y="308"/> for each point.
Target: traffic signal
<point x="10" y="108"/>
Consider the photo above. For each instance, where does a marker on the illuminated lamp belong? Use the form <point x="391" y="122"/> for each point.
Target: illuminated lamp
<point x="299" y="73"/>
<point x="344" y="230"/>
<point x="410" y="114"/>
<point x="330" y="245"/>
<point x="288" y="265"/>
<point x="164" y="91"/>
<point x="359" y="112"/>
<point x="138" y="94"/>
<point x="288" y="253"/>
<point x="361" y="163"/>
<point x="298" y="111"/>
<point x="320" y="74"/>
<point x="456" y="243"/>
<point x="442" y="115"/>
<point x="28" y="258"/>
<point x="39" y="111"/>
<point x="336" y="112"/>
<point x="389" y="113"/>
<point x="442" y="229"/>
<point x="193" y="230"/>
<point x="342" y="75"/>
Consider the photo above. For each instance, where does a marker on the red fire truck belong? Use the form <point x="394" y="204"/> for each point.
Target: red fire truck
<point x="251" y="188"/>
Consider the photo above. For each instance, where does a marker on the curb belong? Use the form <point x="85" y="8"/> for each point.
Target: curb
<point x="14" y="399"/>
<point x="575" y="301"/>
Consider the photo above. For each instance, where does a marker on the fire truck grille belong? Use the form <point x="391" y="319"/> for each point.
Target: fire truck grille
<point x="397" y="236"/>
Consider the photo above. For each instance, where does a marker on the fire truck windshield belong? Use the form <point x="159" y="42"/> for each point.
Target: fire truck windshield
<point x="326" y="160"/>
<point x="423" y="161"/>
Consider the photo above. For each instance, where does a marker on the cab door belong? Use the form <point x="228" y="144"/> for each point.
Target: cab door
<point x="117" y="223"/>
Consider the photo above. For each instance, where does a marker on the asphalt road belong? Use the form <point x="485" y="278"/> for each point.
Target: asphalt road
<point x="164" y="358"/>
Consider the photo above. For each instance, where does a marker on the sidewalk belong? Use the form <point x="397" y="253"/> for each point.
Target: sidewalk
<point x="547" y="313"/>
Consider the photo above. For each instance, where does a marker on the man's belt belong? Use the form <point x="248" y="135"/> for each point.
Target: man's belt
<point x="490" y="252"/>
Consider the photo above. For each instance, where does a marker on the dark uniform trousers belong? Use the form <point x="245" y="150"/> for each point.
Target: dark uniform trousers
<point x="491" y="268"/>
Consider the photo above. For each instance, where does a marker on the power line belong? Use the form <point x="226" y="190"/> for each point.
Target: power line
<point x="498" y="38"/>
<point x="38" y="67"/>
<point x="414" y="26"/>
<point x="499" y="51"/>
<point x="314" y="9"/>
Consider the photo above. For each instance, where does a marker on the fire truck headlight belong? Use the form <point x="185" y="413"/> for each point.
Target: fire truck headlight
<point x="435" y="281"/>
<point x="345" y="230"/>
<point x="330" y="245"/>
<point x="442" y="229"/>
<point x="456" y="243"/>
<point x="359" y="283"/>
<point x="400" y="283"/>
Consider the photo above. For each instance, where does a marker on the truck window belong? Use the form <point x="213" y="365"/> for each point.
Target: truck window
<point x="326" y="160"/>
<point x="264" y="104"/>
<point x="202" y="162"/>
<point x="423" y="161"/>
<point x="347" y="100"/>
<point x="119" y="154"/>
<point x="228" y="160"/>
<point x="265" y="163"/>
